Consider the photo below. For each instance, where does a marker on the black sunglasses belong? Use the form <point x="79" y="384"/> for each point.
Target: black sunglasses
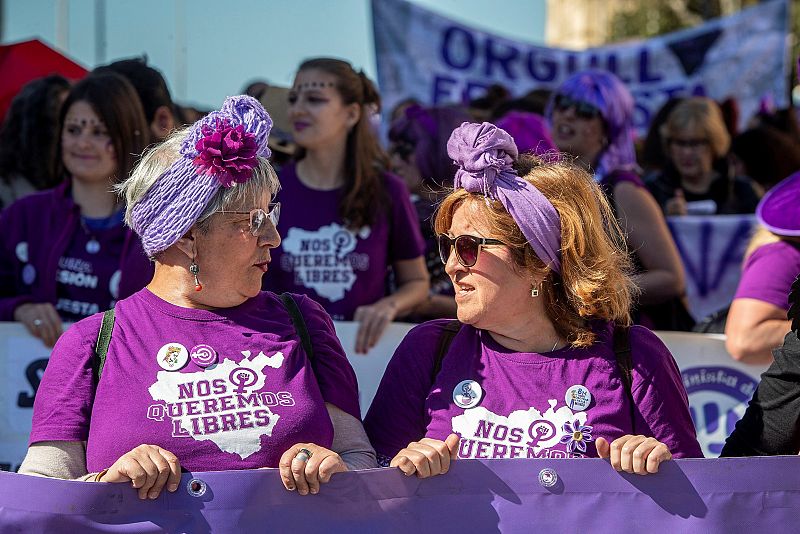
<point x="467" y="247"/>
<point x="583" y="110"/>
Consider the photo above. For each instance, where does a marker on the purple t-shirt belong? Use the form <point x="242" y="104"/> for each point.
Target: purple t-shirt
<point x="88" y="274"/>
<point x="320" y="257"/>
<point x="507" y="404"/>
<point x="768" y="274"/>
<point x="223" y="389"/>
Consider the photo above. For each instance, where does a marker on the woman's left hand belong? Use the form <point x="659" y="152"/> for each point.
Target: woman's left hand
<point x="305" y="466"/>
<point x="634" y="454"/>
<point x="372" y="321"/>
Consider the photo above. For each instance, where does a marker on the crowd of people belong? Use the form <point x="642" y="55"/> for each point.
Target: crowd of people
<point x="527" y="235"/>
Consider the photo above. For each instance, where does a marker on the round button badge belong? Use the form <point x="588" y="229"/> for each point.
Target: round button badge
<point x="172" y="356"/>
<point x="203" y="355"/>
<point x="467" y="394"/>
<point x="578" y="398"/>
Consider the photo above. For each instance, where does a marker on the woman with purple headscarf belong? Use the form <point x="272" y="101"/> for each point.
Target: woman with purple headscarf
<point x="542" y="362"/>
<point x="201" y="368"/>
<point x="591" y="115"/>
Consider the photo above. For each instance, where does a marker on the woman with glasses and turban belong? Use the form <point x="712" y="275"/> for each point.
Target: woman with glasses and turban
<point x="591" y="115"/>
<point x="542" y="362"/>
<point x="201" y="369"/>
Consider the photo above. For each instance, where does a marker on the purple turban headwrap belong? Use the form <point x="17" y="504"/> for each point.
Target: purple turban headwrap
<point x="484" y="154"/>
<point x="220" y="149"/>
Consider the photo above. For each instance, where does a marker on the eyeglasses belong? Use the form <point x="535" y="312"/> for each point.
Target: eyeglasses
<point x="259" y="217"/>
<point x="692" y="144"/>
<point x="467" y="247"/>
<point x="583" y="110"/>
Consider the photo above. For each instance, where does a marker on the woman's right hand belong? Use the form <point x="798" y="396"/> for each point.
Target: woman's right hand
<point x="427" y="457"/>
<point x="41" y="320"/>
<point x="149" y="468"/>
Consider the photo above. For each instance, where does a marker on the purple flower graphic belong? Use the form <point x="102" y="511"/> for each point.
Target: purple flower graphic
<point x="576" y="436"/>
<point x="226" y="152"/>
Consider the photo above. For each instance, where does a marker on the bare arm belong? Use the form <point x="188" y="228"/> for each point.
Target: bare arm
<point x="753" y="329"/>
<point x="649" y="237"/>
<point x="350" y="440"/>
<point x="412" y="290"/>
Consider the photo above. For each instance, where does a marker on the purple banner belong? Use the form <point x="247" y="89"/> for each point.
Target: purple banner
<point x="712" y="495"/>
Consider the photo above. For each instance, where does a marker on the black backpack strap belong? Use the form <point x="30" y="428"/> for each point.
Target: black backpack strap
<point x="101" y="347"/>
<point x="299" y="324"/>
<point x="622" y="352"/>
<point x="445" y="339"/>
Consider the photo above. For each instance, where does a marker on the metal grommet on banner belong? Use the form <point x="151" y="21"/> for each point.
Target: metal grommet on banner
<point x="548" y="477"/>
<point x="196" y="487"/>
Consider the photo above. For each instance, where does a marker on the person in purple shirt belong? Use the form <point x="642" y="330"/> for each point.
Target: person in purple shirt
<point x="756" y="322"/>
<point x="347" y="222"/>
<point x="203" y="370"/>
<point x="591" y="116"/>
<point x="543" y="363"/>
<point x="65" y="253"/>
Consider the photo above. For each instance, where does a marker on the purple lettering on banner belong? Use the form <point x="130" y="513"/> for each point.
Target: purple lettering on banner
<point x="541" y="66"/>
<point x="686" y="496"/>
<point x="502" y="55"/>
<point x="645" y="75"/>
<point x="458" y="48"/>
<point x="473" y="90"/>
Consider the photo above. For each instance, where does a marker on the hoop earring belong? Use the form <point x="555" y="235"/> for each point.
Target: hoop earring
<point x="194" y="269"/>
<point x="534" y="291"/>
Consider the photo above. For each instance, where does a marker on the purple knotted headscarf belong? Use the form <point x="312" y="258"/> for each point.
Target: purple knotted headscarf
<point x="484" y="154"/>
<point x="220" y="150"/>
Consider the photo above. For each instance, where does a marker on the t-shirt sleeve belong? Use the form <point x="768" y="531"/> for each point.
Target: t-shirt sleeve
<point x="771" y="424"/>
<point x="398" y="415"/>
<point x="335" y="376"/>
<point x="63" y="405"/>
<point x="782" y="262"/>
<point x="662" y="406"/>
<point x="405" y="236"/>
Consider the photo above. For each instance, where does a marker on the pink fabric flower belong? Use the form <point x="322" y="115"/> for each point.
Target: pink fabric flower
<point x="226" y="152"/>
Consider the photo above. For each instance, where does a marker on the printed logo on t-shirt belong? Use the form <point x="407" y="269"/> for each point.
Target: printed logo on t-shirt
<point x="323" y="260"/>
<point x="225" y="403"/>
<point x="559" y="433"/>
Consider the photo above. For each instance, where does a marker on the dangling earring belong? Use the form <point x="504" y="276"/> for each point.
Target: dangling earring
<point x="194" y="269"/>
<point x="534" y="291"/>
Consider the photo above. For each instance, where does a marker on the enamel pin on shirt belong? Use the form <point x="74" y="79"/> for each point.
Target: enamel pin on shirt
<point x="467" y="394"/>
<point x="203" y="355"/>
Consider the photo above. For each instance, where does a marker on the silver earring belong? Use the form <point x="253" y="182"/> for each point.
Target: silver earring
<point x="194" y="269"/>
<point x="534" y="291"/>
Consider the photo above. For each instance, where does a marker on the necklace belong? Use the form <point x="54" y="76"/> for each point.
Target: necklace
<point x="555" y="344"/>
<point x="93" y="245"/>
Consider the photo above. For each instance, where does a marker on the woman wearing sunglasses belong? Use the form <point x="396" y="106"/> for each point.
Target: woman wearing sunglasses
<point x="591" y="115"/>
<point x="542" y="364"/>
<point x="203" y="370"/>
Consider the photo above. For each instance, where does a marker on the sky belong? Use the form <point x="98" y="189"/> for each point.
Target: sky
<point x="208" y="49"/>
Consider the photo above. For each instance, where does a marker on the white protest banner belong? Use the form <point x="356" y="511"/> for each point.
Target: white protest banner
<point x="712" y="250"/>
<point x="436" y="60"/>
<point x="718" y="387"/>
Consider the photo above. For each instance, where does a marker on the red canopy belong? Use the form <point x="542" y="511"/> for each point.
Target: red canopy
<point x="28" y="60"/>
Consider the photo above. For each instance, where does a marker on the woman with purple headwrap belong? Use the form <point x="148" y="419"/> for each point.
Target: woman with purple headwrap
<point x="542" y="362"/>
<point x="756" y="322"/>
<point x="201" y="368"/>
<point x="591" y="115"/>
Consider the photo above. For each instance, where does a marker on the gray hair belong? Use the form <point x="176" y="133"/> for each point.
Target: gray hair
<point x="159" y="158"/>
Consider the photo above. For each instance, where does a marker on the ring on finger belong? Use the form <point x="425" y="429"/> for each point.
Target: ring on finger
<point x="303" y="455"/>
<point x="37" y="322"/>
